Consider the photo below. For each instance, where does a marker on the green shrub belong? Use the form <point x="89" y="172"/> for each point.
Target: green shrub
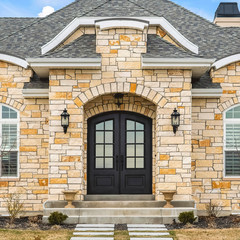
<point x="57" y="218"/>
<point x="186" y="217"/>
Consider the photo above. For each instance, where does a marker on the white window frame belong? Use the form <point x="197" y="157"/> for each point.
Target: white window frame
<point x="10" y="121"/>
<point x="225" y="122"/>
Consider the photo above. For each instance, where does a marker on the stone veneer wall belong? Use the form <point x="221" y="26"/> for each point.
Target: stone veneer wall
<point x="208" y="181"/>
<point x="121" y="71"/>
<point x="33" y="151"/>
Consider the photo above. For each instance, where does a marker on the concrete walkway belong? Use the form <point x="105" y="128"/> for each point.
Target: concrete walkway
<point x="106" y="232"/>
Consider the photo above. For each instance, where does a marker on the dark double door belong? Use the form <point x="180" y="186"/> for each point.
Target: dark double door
<point x="120" y="154"/>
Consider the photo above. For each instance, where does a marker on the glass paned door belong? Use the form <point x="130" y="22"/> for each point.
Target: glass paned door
<point x="119" y="155"/>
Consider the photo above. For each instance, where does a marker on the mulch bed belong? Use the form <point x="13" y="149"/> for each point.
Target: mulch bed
<point x="231" y="221"/>
<point x="30" y="223"/>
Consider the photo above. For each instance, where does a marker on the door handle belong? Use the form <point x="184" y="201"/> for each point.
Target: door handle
<point x="122" y="163"/>
<point x="117" y="163"/>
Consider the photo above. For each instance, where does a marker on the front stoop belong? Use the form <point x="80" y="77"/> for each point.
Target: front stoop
<point x="117" y="209"/>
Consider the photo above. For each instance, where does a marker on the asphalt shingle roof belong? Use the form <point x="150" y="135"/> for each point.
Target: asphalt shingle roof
<point x="204" y="81"/>
<point x="83" y="47"/>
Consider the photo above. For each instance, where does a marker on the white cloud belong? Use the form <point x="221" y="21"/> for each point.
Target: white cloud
<point x="46" y="11"/>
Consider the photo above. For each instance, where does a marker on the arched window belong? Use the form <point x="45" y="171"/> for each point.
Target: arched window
<point x="232" y="142"/>
<point x="9" y="121"/>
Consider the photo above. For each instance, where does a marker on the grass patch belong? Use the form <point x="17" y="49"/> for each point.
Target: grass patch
<point x="60" y="234"/>
<point x="209" y="234"/>
<point x="121" y="235"/>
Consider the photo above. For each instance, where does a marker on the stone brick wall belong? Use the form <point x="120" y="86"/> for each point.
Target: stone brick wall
<point x="33" y="146"/>
<point x="208" y="182"/>
<point x="81" y="90"/>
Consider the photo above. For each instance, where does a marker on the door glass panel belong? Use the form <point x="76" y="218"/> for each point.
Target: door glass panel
<point x="130" y="150"/>
<point x="99" y="137"/>
<point x="99" y="150"/>
<point x="99" y="163"/>
<point x="139" y="126"/>
<point x="130" y="162"/>
<point x="139" y="162"/>
<point x="108" y="162"/>
<point x="100" y="126"/>
<point x="140" y="150"/>
<point x="109" y="150"/>
<point x="108" y="137"/>
<point x="130" y="125"/>
<point x="130" y="137"/>
<point x="109" y="125"/>
<point x="139" y="137"/>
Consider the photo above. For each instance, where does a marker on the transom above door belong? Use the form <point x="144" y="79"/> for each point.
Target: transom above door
<point x="120" y="154"/>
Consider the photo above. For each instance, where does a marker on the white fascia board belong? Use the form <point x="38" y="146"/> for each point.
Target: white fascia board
<point x="207" y="92"/>
<point x="15" y="60"/>
<point x="176" y="62"/>
<point x="65" y="62"/>
<point x="121" y="23"/>
<point x="127" y="22"/>
<point x="226" y="61"/>
<point x="35" y="93"/>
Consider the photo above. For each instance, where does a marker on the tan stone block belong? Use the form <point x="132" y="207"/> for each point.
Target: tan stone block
<point x="71" y="159"/>
<point x="204" y="163"/>
<point x="205" y="143"/>
<point x="74" y="173"/>
<point x="175" y="99"/>
<point x="43" y="182"/>
<point x="114" y="42"/>
<point x="83" y="76"/>
<point x="218" y="184"/>
<point x="214" y="150"/>
<point x="26" y="175"/>
<point x="103" y="49"/>
<point x="163" y="102"/>
<point x="58" y="181"/>
<point x="218" y="80"/>
<point x="174" y="90"/>
<point x="218" y="117"/>
<point x="175" y="72"/>
<point x="164" y="157"/>
<point x="221" y="203"/>
<point x="113" y="51"/>
<point x="234" y="79"/>
<point x="9" y="85"/>
<point x="215" y="133"/>
<point x="166" y="186"/>
<point x="108" y="75"/>
<point x="53" y="83"/>
<point x="129" y="65"/>
<point x="40" y="192"/>
<point x="28" y="149"/>
<point x="3" y="64"/>
<point x="31" y="107"/>
<point x="207" y="174"/>
<point x="57" y="72"/>
<point x="61" y="141"/>
<point x="133" y="87"/>
<point x="187" y="86"/>
<point x="137" y="73"/>
<point x="36" y="114"/>
<point x="29" y="131"/>
<point x="172" y="140"/>
<point x="194" y="142"/>
<point x="78" y="102"/>
<point x="168" y="171"/>
<point x="3" y="184"/>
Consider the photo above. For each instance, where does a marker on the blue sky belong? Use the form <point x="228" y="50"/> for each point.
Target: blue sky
<point x="31" y="8"/>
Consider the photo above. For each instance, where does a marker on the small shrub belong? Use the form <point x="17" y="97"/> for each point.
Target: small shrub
<point x="57" y="218"/>
<point x="186" y="217"/>
<point x="213" y="209"/>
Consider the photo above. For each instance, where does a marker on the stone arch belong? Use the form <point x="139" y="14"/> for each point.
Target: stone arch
<point x="111" y="88"/>
<point x="12" y="103"/>
<point x="229" y="103"/>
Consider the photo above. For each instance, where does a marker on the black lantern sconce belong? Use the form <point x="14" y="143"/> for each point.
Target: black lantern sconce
<point x="65" y="120"/>
<point x="175" y="117"/>
<point x="118" y="99"/>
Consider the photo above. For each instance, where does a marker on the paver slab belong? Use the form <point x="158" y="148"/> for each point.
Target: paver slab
<point x="147" y="225"/>
<point x="91" y="238"/>
<point x="148" y="234"/>
<point x="94" y="233"/>
<point x="94" y="229"/>
<point x="136" y="238"/>
<point x="147" y="229"/>
<point x="95" y="225"/>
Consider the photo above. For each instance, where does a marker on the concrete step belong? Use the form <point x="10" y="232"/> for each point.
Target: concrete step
<point x="137" y="197"/>
<point x="119" y="204"/>
<point x="120" y="212"/>
<point x="121" y="219"/>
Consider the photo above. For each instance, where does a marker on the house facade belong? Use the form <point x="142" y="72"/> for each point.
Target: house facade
<point x="120" y="68"/>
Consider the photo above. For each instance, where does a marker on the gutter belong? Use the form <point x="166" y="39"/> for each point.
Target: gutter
<point x="207" y="92"/>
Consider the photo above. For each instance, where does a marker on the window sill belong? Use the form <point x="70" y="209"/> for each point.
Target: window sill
<point x="8" y="179"/>
<point x="231" y="179"/>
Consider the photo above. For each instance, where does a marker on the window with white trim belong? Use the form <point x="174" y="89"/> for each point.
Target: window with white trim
<point x="9" y="121"/>
<point x="232" y="142"/>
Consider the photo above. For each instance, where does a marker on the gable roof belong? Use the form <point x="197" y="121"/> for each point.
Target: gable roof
<point x="213" y="41"/>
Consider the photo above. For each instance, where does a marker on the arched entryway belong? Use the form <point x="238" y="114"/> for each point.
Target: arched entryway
<point x="119" y="153"/>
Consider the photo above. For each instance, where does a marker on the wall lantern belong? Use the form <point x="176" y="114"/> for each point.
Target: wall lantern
<point x="175" y="116"/>
<point x="65" y="120"/>
<point x="118" y="99"/>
